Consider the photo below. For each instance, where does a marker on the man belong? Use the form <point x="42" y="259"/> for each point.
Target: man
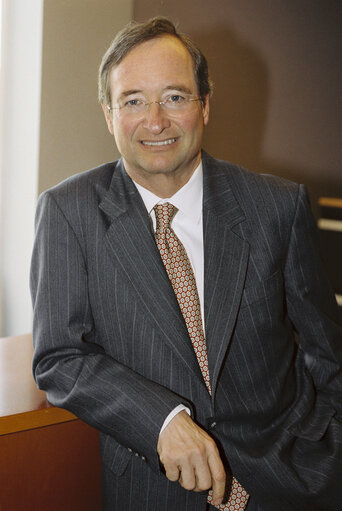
<point x="168" y="291"/>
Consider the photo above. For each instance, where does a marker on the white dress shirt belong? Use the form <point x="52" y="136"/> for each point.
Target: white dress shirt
<point x="187" y="223"/>
<point x="188" y="226"/>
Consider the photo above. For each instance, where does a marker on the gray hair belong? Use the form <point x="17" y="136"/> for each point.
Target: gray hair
<point x="136" y="33"/>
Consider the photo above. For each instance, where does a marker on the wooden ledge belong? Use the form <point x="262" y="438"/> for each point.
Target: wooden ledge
<point x="34" y="419"/>
<point x="22" y="405"/>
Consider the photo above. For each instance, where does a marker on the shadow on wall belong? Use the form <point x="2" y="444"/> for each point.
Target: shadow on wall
<point x="239" y="108"/>
<point x="239" y="103"/>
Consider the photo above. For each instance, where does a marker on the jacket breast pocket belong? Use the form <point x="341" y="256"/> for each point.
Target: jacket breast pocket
<point x="263" y="290"/>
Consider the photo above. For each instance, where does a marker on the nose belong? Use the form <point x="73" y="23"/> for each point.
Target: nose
<point x="155" y="119"/>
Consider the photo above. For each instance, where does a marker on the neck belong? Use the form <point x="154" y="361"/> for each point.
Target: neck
<point x="162" y="187"/>
<point x="163" y="184"/>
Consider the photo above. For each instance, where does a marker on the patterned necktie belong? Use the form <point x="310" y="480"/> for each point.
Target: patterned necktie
<point x="179" y="270"/>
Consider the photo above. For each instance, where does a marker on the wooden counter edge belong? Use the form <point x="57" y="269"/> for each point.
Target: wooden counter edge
<point x="34" y="419"/>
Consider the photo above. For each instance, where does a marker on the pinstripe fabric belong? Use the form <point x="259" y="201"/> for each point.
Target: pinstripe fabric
<point x="183" y="281"/>
<point x="111" y="344"/>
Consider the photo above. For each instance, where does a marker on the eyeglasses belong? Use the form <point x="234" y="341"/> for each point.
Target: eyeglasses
<point x="172" y="104"/>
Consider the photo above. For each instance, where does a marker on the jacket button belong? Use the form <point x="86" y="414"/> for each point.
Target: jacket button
<point x="212" y="425"/>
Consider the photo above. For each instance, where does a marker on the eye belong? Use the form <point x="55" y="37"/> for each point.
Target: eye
<point x="175" y="98"/>
<point x="133" y="103"/>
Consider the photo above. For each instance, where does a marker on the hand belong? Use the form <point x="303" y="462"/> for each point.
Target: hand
<point x="190" y="456"/>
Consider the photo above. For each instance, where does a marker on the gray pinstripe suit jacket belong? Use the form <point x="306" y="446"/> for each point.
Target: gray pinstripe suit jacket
<point x="111" y="344"/>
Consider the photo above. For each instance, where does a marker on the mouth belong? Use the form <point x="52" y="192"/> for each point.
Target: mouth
<point x="158" y="143"/>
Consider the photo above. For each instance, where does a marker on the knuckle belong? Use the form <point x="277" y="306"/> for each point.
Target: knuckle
<point x="211" y="445"/>
<point x="220" y="477"/>
<point x="203" y="486"/>
<point x="172" y="474"/>
<point x="167" y="457"/>
<point x="188" y="486"/>
<point x="172" y="477"/>
<point x="198" y="451"/>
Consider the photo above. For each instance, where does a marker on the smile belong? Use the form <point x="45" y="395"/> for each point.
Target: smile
<point x="159" y="143"/>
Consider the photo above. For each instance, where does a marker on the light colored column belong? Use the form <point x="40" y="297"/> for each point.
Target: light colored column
<point x="51" y="125"/>
<point x="19" y="150"/>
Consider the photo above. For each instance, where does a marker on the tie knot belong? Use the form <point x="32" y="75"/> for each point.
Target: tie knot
<point x="164" y="215"/>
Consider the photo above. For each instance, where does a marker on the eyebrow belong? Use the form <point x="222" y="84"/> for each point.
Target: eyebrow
<point x="129" y="92"/>
<point x="180" y="88"/>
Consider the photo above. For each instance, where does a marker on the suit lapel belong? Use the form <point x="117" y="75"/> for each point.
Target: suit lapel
<point x="131" y="242"/>
<point x="225" y="263"/>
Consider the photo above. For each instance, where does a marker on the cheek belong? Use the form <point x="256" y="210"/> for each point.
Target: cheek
<point x="123" y="130"/>
<point x="192" y="125"/>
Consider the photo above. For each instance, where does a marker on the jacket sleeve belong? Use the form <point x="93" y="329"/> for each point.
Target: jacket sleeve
<point x="312" y="306"/>
<point x="77" y="374"/>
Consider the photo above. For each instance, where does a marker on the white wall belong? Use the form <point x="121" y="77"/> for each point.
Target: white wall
<point x="20" y="113"/>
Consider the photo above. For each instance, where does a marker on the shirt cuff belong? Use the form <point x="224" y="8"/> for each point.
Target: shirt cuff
<point x="172" y="414"/>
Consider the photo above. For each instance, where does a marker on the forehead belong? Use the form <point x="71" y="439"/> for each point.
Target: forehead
<point x="157" y="63"/>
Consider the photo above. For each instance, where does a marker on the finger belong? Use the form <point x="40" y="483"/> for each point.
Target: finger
<point x="203" y="477"/>
<point x="172" y="472"/>
<point x="187" y="477"/>
<point x="218" y="479"/>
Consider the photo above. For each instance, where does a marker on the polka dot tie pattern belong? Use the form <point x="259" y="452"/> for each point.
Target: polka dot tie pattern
<point x="238" y="498"/>
<point x="179" y="270"/>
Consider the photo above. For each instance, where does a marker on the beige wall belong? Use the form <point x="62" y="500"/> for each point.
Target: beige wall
<point x="73" y="134"/>
<point x="277" y="72"/>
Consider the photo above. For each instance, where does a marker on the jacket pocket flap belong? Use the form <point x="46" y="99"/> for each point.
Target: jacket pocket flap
<point x="314" y="425"/>
<point x="114" y="455"/>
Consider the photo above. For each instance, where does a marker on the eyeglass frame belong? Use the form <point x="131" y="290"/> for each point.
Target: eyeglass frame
<point x="148" y="103"/>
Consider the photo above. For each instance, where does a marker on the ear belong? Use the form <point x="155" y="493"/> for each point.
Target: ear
<point x="108" y="118"/>
<point x="205" y="108"/>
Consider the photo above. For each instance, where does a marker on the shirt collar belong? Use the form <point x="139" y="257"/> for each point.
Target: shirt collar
<point x="187" y="199"/>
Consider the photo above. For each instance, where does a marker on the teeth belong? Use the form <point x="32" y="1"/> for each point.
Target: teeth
<point x="162" y="142"/>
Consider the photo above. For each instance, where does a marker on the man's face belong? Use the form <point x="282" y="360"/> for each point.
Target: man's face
<point x="156" y="141"/>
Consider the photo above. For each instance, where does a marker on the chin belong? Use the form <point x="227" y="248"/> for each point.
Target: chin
<point x="160" y="167"/>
